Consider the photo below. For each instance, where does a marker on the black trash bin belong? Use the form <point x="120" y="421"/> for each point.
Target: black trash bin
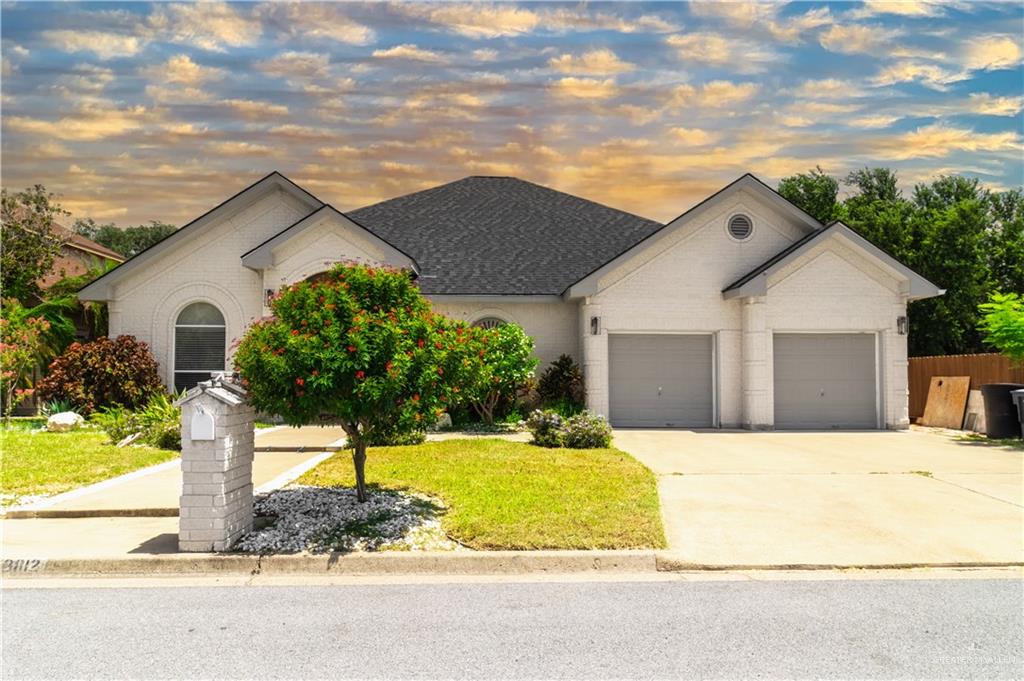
<point x="1018" y="399"/>
<point x="1001" y="417"/>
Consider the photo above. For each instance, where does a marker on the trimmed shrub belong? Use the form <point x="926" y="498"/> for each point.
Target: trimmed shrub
<point x="583" y="431"/>
<point x="587" y="431"/>
<point x="562" y="383"/>
<point x="546" y="427"/>
<point x="103" y="373"/>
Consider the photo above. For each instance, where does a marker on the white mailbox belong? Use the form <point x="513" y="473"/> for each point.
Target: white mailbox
<point x="201" y="427"/>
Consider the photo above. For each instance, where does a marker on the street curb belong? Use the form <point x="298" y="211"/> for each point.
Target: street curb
<point x="387" y="563"/>
<point x="668" y="562"/>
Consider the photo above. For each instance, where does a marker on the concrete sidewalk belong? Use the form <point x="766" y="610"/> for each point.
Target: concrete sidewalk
<point x="156" y="490"/>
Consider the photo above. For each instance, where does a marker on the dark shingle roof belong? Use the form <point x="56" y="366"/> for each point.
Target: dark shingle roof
<point x="501" y="235"/>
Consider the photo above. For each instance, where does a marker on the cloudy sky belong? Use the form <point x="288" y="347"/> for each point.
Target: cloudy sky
<point x="134" y="112"/>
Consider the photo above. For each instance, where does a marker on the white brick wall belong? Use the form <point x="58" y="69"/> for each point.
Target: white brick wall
<point x="676" y="287"/>
<point x="205" y="267"/>
<point x="554" y="326"/>
<point x="834" y="288"/>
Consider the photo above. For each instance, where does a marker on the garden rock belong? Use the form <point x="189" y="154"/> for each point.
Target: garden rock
<point x="445" y="421"/>
<point x="320" y="520"/>
<point x="63" y="422"/>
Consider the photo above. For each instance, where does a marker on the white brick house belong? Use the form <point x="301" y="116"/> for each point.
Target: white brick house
<point x="742" y="312"/>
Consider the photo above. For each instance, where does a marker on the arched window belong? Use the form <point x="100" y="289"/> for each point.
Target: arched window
<point x="199" y="335"/>
<point x="489" y="322"/>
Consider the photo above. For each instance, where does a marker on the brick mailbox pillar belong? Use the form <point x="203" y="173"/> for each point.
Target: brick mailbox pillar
<point x="216" y="466"/>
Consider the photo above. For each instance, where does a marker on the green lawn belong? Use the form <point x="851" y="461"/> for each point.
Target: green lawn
<point x="48" y="463"/>
<point x="510" y="495"/>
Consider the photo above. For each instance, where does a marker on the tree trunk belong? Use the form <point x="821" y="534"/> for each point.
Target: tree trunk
<point x="359" y="459"/>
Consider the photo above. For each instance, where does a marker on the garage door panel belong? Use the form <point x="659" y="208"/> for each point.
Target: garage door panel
<point x="661" y="380"/>
<point x="825" y="381"/>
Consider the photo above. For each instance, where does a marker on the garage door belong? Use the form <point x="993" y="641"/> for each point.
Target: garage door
<point x="825" y="380"/>
<point x="660" y="380"/>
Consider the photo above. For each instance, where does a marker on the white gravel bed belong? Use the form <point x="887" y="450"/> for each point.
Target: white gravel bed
<point x="322" y="519"/>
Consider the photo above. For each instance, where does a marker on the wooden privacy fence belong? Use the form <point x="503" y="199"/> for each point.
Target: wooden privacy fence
<point x="983" y="368"/>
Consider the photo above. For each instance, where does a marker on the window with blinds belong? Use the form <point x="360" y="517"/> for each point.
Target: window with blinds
<point x="199" y="343"/>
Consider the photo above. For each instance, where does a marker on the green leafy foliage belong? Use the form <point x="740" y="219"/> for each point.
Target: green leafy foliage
<point x="546" y="427"/>
<point x="815" y="192"/>
<point x="952" y="231"/>
<point x="160" y="420"/>
<point x="561" y="384"/>
<point x="21" y="337"/>
<point x="158" y="423"/>
<point x="117" y="422"/>
<point x="104" y="372"/>
<point x="506" y="364"/>
<point x="129" y="241"/>
<point x="361" y="345"/>
<point x="585" y="430"/>
<point x="28" y="241"/>
<point x="1003" y="324"/>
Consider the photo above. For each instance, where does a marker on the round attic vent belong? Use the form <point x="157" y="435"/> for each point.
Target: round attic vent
<point x="740" y="227"/>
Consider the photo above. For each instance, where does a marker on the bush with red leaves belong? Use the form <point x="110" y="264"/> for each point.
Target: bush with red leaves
<point x="102" y="373"/>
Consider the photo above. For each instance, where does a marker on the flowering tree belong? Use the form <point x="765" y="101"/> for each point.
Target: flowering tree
<point x="362" y="345"/>
<point x="20" y="338"/>
<point x="507" y="361"/>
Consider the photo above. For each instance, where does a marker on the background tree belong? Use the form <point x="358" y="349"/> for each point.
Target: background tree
<point x="28" y="243"/>
<point x="362" y="346"/>
<point x="129" y="241"/>
<point x="1004" y="241"/>
<point x="814" y="191"/>
<point x="951" y="231"/>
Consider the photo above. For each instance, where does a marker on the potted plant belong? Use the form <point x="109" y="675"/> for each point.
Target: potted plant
<point x="1003" y="324"/>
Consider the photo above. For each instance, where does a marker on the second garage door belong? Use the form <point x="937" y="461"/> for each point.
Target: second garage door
<point x="661" y="380"/>
<point x="825" y="380"/>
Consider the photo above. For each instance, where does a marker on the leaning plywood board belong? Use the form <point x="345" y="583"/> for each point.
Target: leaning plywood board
<point x="947" y="399"/>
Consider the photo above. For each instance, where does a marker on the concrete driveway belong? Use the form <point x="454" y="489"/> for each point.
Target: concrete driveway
<point x="834" y="498"/>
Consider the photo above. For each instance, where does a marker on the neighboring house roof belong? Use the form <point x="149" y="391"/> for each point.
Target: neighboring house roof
<point x="80" y="243"/>
<point x="755" y="282"/>
<point x="502" y="236"/>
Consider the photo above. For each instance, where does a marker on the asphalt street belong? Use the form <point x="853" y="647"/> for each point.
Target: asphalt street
<point x="941" y="628"/>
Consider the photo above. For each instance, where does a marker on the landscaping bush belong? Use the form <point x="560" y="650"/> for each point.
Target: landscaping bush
<point x="583" y="431"/>
<point x="159" y="423"/>
<point x="587" y="431"/>
<point x="564" y="407"/>
<point x="103" y="373"/>
<point x="117" y="422"/>
<point x="547" y="428"/>
<point x="562" y="384"/>
<point x="507" y="364"/>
